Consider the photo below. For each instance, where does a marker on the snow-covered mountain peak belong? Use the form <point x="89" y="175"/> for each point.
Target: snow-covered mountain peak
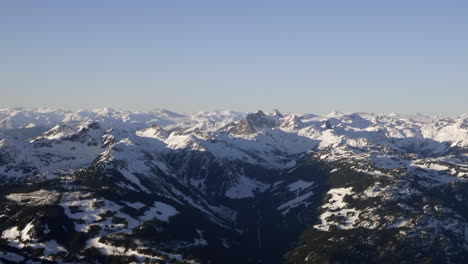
<point x="45" y="110"/>
<point x="58" y="131"/>
<point x="292" y="122"/>
<point x="166" y="113"/>
<point x="334" y="113"/>
<point x="154" y="131"/>
<point x="256" y="122"/>
<point x="105" y="111"/>
<point x="276" y="113"/>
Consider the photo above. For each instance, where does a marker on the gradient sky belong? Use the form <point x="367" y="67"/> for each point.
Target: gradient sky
<point x="188" y="56"/>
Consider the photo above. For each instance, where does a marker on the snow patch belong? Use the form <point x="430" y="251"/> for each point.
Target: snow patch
<point x="161" y="211"/>
<point x="246" y="188"/>
<point x="299" y="185"/>
<point x="336" y="212"/>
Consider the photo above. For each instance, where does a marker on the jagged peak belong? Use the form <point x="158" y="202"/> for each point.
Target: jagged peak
<point x="258" y="121"/>
<point x="59" y="128"/>
<point x="276" y="113"/>
<point x="292" y="122"/>
<point x="58" y="131"/>
<point x="89" y="124"/>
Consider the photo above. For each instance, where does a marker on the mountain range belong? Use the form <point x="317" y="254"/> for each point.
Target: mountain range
<point x="113" y="186"/>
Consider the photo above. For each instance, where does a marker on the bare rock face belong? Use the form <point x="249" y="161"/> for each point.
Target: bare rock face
<point x="255" y="122"/>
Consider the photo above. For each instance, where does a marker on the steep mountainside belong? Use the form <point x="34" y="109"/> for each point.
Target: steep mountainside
<point x="116" y="186"/>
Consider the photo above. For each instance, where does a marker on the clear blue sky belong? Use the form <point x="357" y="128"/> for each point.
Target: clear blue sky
<point x="298" y="56"/>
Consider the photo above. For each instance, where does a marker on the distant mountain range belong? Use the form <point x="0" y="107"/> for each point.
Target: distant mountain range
<point x="111" y="186"/>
